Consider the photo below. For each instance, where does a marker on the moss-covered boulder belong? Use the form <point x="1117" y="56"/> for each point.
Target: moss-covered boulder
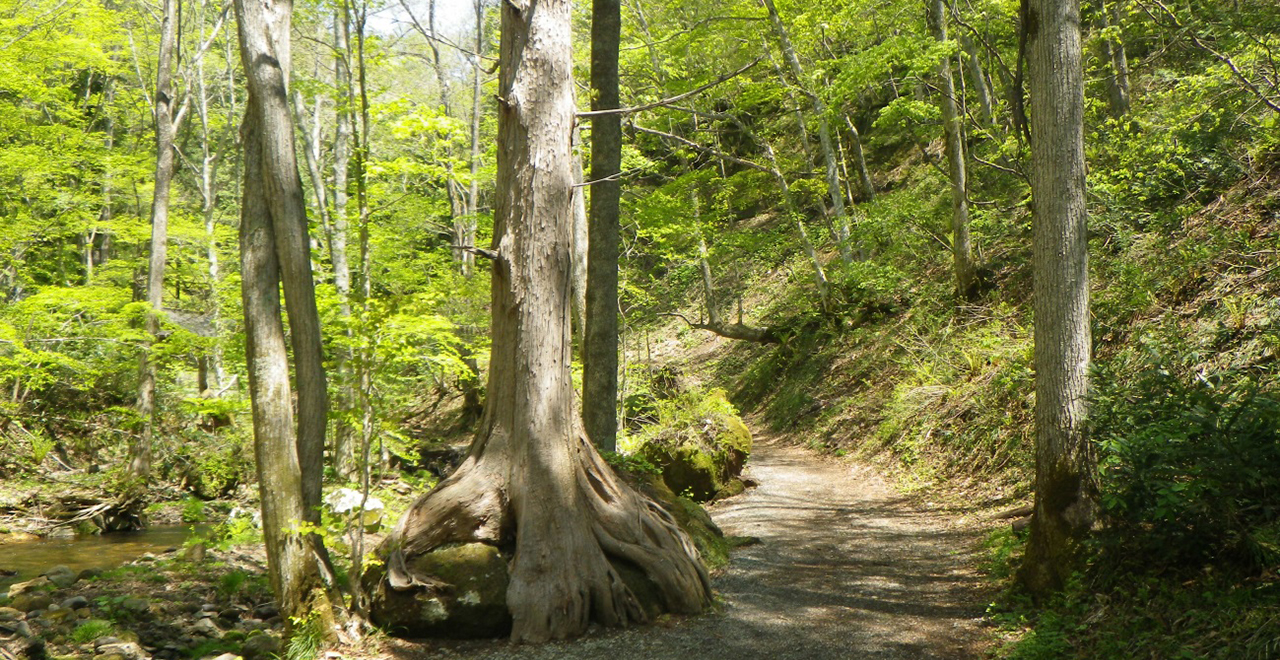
<point x="472" y="602"/>
<point x="702" y="462"/>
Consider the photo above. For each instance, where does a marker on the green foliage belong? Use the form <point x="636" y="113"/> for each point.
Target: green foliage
<point x="307" y="639"/>
<point x="192" y="510"/>
<point x="1190" y="462"/>
<point x="91" y="629"/>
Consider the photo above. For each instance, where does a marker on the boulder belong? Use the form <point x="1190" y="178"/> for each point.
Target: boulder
<point x="346" y="502"/>
<point x="471" y="603"/>
<point x="701" y="463"/>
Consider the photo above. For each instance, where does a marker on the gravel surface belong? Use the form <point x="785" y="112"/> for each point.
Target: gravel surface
<point x="845" y="568"/>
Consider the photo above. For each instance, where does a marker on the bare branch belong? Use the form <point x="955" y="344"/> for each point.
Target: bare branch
<point x="673" y="99"/>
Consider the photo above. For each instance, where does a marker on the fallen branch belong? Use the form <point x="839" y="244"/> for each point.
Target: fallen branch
<point x="739" y="331"/>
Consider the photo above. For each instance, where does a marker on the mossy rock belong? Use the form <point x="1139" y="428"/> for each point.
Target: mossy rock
<point x="472" y="604"/>
<point x="703" y="465"/>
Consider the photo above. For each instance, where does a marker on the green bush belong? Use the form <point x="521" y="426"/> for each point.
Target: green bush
<point x="1190" y="465"/>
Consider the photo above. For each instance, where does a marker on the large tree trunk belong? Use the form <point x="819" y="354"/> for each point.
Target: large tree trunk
<point x="140" y="452"/>
<point x="274" y="248"/>
<point x="1066" y="489"/>
<point x="532" y="480"/>
<point x="961" y="253"/>
<point x="600" y="345"/>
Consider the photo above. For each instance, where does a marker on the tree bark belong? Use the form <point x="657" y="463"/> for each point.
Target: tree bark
<point x="600" y="345"/>
<point x="140" y="452"/>
<point x="961" y="252"/>
<point x="1066" y="489"/>
<point x="860" y="162"/>
<point x="532" y="479"/>
<point x="274" y="248"/>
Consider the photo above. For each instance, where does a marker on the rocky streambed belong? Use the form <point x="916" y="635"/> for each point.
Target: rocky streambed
<point x="198" y="603"/>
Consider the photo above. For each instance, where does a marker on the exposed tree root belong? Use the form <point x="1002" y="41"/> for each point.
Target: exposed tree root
<point x="564" y="540"/>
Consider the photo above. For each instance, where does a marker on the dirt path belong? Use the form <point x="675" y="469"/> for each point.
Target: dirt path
<point x="845" y="568"/>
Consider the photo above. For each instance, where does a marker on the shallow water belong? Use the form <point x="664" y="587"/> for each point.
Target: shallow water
<point x="106" y="551"/>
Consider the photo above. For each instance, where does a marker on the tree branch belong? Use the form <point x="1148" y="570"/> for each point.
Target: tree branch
<point x="737" y="331"/>
<point x="673" y="99"/>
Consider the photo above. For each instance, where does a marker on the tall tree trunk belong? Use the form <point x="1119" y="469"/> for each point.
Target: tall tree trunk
<point x="473" y="196"/>
<point x="532" y="479"/>
<point x="600" y="345"/>
<point x="140" y="452"/>
<point x="344" y="433"/>
<point x="961" y="253"/>
<point x="1117" y="61"/>
<point x="580" y="242"/>
<point x="841" y="220"/>
<point x="978" y="81"/>
<point x="1066" y="488"/>
<point x="275" y="249"/>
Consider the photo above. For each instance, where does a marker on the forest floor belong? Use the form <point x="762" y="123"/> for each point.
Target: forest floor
<point x="845" y="567"/>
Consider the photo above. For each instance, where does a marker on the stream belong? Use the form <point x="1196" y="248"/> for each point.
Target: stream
<point x="31" y="558"/>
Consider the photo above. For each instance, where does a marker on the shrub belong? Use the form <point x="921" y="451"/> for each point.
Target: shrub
<point x="1190" y="465"/>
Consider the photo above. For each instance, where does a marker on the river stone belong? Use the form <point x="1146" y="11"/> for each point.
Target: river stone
<point x="136" y="605"/>
<point x="37" y="584"/>
<point x="62" y="576"/>
<point x="75" y="603"/>
<point x="224" y="656"/>
<point x="31" y="602"/>
<point x="59" y="616"/>
<point x="260" y="646"/>
<point x="120" y="651"/>
<point x="89" y="573"/>
<point x="207" y="628"/>
<point x="11" y="614"/>
<point x="472" y="604"/>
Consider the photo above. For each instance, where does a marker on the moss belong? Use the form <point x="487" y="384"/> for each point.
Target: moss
<point x="472" y="604"/>
<point x="702" y="464"/>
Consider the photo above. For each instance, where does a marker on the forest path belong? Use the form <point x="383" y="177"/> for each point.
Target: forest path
<point x="845" y="568"/>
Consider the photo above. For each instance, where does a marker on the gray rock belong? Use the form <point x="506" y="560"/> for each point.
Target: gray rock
<point x="11" y="614"/>
<point x="122" y="650"/>
<point x="207" y="628"/>
<point x="136" y="605"/>
<point x="75" y="603"/>
<point x="62" y="533"/>
<point x="105" y="641"/>
<point x="473" y="606"/>
<point x="89" y="573"/>
<point x="62" y="576"/>
<point x="224" y="656"/>
<point x="260" y="646"/>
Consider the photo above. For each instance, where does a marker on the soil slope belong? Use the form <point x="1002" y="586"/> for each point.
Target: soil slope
<point x="845" y="568"/>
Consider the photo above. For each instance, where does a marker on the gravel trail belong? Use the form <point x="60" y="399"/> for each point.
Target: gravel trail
<point x="845" y="568"/>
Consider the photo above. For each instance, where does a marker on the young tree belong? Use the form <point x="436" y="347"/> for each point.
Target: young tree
<point x="600" y="341"/>
<point x="164" y="115"/>
<point x="1065" y="483"/>
<point x="961" y="253"/>
<point x="275" y="249"/>
<point x="532" y="480"/>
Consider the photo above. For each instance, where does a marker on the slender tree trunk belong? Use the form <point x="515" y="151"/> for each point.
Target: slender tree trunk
<point x="961" y="252"/>
<point x="580" y="242"/>
<point x="841" y="220"/>
<point x="860" y="162"/>
<point x="978" y="82"/>
<point x="473" y="197"/>
<point x="140" y="452"/>
<point x="1066" y="488"/>
<point x="532" y="480"/>
<point x="275" y="249"/>
<point x="600" y="348"/>
<point x="1117" y="62"/>
<point x="344" y="434"/>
